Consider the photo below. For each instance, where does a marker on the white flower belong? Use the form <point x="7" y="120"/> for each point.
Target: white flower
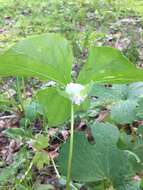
<point x="76" y="93"/>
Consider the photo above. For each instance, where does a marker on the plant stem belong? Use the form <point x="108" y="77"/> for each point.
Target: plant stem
<point x="55" y="168"/>
<point x="58" y="175"/>
<point x="26" y="173"/>
<point x="19" y="93"/>
<point x="70" y="149"/>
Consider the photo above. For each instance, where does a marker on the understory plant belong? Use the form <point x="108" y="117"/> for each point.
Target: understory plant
<point x="49" y="57"/>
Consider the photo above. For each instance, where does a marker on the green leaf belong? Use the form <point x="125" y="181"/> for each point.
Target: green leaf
<point x="100" y="161"/>
<point x="40" y="142"/>
<point x="140" y="109"/>
<point x="55" y="107"/>
<point x="108" y="95"/>
<point x="3" y="100"/>
<point x="124" y="141"/>
<point x="100" y="185"/>
<point x="16" y="133"/>
<point x="138" y="150"/>
<point x="47" y="56"/>
<point x="125" y="101"/>
<point x="124" y="112"/>
<point x="32" y="110"/>
<point x="40" y="159"/>
<point x="135" y="91"/>
<point x="115" y="92"/>
<point x="134" y="185"/>
<point x="133" y="144"/>
<point x="108" y="65"/>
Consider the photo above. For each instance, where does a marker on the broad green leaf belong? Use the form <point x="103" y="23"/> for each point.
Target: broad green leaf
<point x="100" y="185"/>
<point x="124" y="112"/>
<point x="129" y="108"/>
<point x="135" y="91"/>
<point x="115" y="92"/>
<point x="108" y="65"/>
<point x="134" y="185"/>
<point x="125" y="101"/>
<point x="47" y="56"/>
<point x="100" y="161"/>
<point x="108" y="95"/>
<point x="55" y="107"/>
<point x="133" y="144"/>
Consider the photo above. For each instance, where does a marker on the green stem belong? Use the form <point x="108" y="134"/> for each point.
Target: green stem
<point x="19" y="93"/>
<point x="70" y="149"/>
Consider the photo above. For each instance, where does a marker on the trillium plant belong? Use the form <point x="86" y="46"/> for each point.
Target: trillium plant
<point x="49" y="57"/>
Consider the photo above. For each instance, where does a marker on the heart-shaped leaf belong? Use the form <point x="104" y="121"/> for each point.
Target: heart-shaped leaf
<point x="100" y="161"/>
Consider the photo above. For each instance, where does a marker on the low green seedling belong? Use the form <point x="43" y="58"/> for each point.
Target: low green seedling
<point x="49" y="57"/>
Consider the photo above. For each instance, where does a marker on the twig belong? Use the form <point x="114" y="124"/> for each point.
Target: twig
<point x="8" y="117"/>
<point x="55" y="168"/>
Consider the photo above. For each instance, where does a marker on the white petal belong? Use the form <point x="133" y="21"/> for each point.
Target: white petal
<point x="74" y="91"/>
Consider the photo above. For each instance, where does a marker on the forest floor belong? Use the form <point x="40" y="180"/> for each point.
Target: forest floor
<point x="119" y="25"/>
